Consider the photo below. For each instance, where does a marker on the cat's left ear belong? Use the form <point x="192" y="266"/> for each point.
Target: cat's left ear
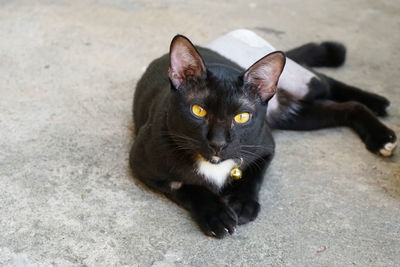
<point x="185" y="62"/>
<point x="263" y="76"/>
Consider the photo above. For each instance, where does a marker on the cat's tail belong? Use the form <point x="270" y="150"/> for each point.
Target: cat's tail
<point x="325" y="54"/>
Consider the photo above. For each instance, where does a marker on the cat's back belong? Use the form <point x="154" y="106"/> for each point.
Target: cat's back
<point x="150" y="89"/>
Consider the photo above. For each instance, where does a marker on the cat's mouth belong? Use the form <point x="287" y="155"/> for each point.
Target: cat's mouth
<point x="214" y="159"/>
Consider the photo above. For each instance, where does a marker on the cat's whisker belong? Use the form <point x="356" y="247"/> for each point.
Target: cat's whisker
<point x="246" y="156"/>
<point x="250" y="153"/>
<point x="263" y="147"/>
<point x="253" y="146"/>
<point x="176" y="137"/>
<point x="181" y="142"/>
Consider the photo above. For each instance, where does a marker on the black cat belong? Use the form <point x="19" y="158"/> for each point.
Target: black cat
<point x="202" y="125"/>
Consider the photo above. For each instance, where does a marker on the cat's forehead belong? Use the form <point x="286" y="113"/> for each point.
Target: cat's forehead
<point x="220" y="96"/>
<point x="197" y="93"/>
<point x="221" y="82"/>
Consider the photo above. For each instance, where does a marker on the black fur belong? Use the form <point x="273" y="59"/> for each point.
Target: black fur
<point x="169" y="137"/>
<point x="326" y="54"/>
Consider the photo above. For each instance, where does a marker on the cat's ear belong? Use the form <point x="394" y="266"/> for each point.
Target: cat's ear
<point x="185" y="62"/>
<point x="263" y="76"/>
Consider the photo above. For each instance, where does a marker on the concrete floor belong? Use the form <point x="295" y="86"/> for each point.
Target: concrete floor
<point x="67" y="76"/>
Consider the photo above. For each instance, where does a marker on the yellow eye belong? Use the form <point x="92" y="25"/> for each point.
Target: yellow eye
<point x="199" y="111"/>
<point x="242" y="117"/>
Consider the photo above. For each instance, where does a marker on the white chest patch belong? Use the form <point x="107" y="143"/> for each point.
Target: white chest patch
<point x="215" y="173"/>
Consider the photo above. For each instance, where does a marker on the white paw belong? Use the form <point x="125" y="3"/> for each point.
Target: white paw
<point x="387" y="149"/>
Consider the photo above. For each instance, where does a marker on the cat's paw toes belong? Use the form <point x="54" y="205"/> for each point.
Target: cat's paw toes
<point x="383" y="143"/>
<point x="379" y="105"/>
<point x="217" y="222"/>
<point x="246" y="209"/>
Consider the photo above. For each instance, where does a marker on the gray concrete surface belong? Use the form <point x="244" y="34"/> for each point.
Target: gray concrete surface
<point x="67" y="76"/>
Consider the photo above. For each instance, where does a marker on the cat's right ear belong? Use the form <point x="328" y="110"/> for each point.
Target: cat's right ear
<point x="184" y="61"/>
<point x="262" y="77"/>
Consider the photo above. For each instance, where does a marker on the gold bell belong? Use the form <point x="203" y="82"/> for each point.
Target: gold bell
<point x="236" y="173"/>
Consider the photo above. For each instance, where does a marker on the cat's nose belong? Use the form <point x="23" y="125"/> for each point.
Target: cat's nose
<point x="217" y="138"/>
<point x="218" y="145"/>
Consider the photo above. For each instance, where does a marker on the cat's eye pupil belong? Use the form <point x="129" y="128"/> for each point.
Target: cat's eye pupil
<point x="242" y="117"/>
<point x="199" y="111"/>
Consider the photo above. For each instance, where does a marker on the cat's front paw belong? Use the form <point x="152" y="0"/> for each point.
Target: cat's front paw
<point x="382" y="142"/>
<point x="216" y="220"/>
<point x="246" y="209"/>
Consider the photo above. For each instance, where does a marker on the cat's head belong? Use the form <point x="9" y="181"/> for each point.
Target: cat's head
<point x="217" y="111"/>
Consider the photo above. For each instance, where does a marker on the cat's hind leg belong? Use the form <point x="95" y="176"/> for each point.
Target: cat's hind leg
<point x="292" y="114"/>
<point x="341" y="92"/>
<point x="326" y="54"/>
<point x="332" y="54"/>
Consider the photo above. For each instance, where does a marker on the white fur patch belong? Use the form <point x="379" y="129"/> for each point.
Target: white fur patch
<point x="387" y="149"/>
<point x="215" y="173"/>
<point x="246" y="47"/>
<point x="175" y="185"/>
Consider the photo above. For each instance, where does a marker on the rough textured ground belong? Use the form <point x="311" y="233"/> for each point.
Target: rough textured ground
<point x="67" y="198"/>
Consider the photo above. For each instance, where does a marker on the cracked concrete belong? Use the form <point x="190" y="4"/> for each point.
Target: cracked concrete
<point x="68" y="71"/>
